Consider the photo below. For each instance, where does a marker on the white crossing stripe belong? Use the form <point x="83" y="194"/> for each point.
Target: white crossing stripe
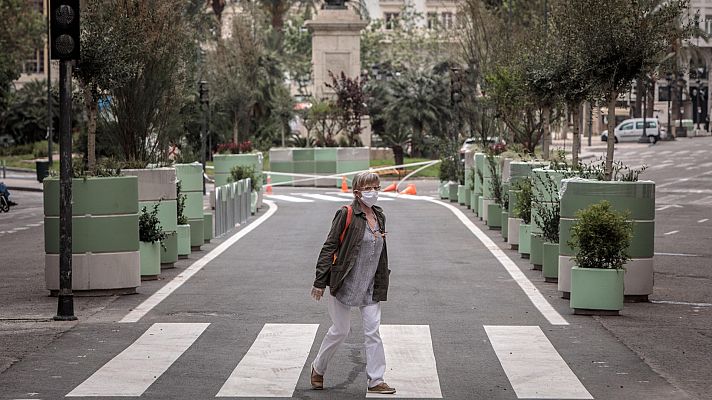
<point x="290" y="199"/>
<point x="411" y="362"/>
<point x="351" y="196"/>
<point x="322" y="197"/>
<point x="132" y="371"/>
<point x="671" y="233"/>
<point x="533" y="366"/>
<point x="272" y="366"/>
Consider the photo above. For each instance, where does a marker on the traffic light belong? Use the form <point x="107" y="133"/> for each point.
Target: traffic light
<point x="64" y="29"/>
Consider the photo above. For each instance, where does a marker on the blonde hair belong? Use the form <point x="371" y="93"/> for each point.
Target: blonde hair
<point x="364" y="179"/>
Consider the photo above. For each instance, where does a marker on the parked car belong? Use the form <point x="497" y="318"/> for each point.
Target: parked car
<point x="471" y="143"/>
<point x="630" y="130"/>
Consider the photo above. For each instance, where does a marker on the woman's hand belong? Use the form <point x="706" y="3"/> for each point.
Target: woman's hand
<point x="316" y="293"/>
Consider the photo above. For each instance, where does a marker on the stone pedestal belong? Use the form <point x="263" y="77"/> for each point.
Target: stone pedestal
<point x="336" y="47"/>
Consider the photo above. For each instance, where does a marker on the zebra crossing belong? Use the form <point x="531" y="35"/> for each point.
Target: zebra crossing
<point x="336" y="197"/>
<point x="272" y="366"/>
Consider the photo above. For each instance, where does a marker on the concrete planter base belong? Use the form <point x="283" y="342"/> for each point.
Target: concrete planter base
<point x="525" y="239"/>
<point x="468" y="198"/>
<point x="564" y="283"/>
<point x="461" y="195"/>
<point x="505" y="225"/>
<point x="150" y="260"/>
<point x="550" y="266"/>
<point x="443" y="190"/>
<point x="536" y="251"/>
<point x="95" y="274"/>
<point x="513" y="232"/>
<point x="485" y="209"/>
<point x="196" y="233"/>
<point x="479" y="207"/>
<point x="475" y="203"/>
<point x="596" y="291"/>
<point x="494" y="216"/>
<point x="183" y="241"/>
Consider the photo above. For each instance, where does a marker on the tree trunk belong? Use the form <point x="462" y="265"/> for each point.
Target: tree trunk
<point x="577" y="139"/>
<point x="398" y="156"/>
<point x="92" y="111"/>
<point x="639" y="93"/>
<point x="651" y="100"/>
<point x="235" y="136"/>
<point x="546" y="141"/>
<point x="611" y="134"/>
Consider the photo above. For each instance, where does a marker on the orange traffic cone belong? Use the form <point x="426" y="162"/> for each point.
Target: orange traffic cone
<point x="390" y="188"/>
<point x="269" y="184"/>
<point x="410" y="189"/>
<point x="344" y="185"/>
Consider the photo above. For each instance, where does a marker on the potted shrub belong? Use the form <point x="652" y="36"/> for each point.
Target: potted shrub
<point x="547" y="218"/>
<point x="493" y="193"/>
<point x="601" y="237"/>
<point x="505" y="211"/>
<point x="150" y="236"/>
<point x="183" y="228"/>
<point x="523" y="211"/>
<point x="479" y="178"/>
<point x="240" y="172"/>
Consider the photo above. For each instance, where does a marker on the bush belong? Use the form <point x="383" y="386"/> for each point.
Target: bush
<point x="240" y="172"/>
<point x="523" y="210"/>
<point x="601" y="237"/>
<point x="149" y="226"/>
<point x="180" y="203"/>
<point x="548" y="214"/>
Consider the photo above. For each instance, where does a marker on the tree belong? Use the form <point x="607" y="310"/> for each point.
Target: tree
<point x="643" y="31"/>
<point x="351" y="103"/>
<point x="20" y="33"/>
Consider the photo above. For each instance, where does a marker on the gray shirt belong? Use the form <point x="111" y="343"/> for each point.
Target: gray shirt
<point x="357" y="288"/>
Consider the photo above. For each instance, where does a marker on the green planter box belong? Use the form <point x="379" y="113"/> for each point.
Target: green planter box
<point x="224" y="163"/>
<point x="480" y="202"/>
<point x="505" y="226"/>
<point x="550" y="266"/>
<point x="473" y="201"/>
<point x="183" y="241"/>
<point x="169" y="250"/>
<point x="207" y="226"/>
<point x="150" y="260"/>
<point x="596" y="291"/>
<point x="536" y="250"/>
<point x="461" y="194"/>
<point x="494" y="216"/>
<point x="452" y="191"/>
<point x="105" y="242"/>
<point x="637" y="198"/>
<point x="513" y="225"/>
<point x="443" y="190"/>
<point x="191" y="176"/>
<point x="525" y="239"/>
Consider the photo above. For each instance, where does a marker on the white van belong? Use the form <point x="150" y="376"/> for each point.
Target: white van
<point x="631" y="130"/>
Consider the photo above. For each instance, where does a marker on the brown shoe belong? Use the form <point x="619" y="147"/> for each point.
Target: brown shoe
<point x="382" y="388"/>
<point x="317" y="381"/>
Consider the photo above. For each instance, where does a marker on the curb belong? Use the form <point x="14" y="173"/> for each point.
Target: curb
<point x="25" y="189"/>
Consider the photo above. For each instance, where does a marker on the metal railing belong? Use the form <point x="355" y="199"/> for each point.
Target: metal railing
<point x="232" y="205"/>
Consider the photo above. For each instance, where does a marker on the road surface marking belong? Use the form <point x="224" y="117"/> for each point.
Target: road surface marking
<point x="322" y="197"/>
<point x="351" y="196"/>
<point x="411" y="362"/>
<point x="703" y="220"/>
<point x="156" y="298"/>
<point x="132" y="371"/>
<point x="691" y="191"/>
<point x="272" y="366"/>
<point x="671" y="233"/>
<point x="668" y="199"/>
<point x="665" y="152"/>
<point x="678" y="254"/>
<point x="22" y="228"/>
<point x="704" y="200"/>
<point x="519" y="349"/>
<point x="290" y="199"/>
<point x="681" y="303"/>
<point x="665" y="207"/>
<point x="517" y="275"/>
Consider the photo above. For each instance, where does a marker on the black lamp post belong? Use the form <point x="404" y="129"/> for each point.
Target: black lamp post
<point x="681" y="82"/>
<point x="668" y="78"/>
<point x="205" y="103"/>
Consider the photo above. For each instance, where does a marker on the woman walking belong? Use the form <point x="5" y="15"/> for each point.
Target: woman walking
<point x="354" y="264"/>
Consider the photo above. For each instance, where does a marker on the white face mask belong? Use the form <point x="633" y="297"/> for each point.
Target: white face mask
<point x="369" y="198"/>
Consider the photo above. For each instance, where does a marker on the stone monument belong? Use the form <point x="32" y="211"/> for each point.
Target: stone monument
<point x="336" y="48"/>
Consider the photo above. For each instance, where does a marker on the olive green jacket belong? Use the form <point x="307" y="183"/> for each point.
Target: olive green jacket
<point x="332" y="274"/>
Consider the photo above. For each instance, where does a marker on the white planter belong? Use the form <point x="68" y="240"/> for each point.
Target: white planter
<point x="485" y="206"/>
<point x="513" y="230"/>
<point x="638" y="279"/>
<point x="565" y="265"/>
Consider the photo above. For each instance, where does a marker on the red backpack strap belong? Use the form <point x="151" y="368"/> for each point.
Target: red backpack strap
<point x="349" y="215"/>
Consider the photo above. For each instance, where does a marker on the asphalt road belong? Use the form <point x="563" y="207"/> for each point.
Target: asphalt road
<point x="246" y="316"/>
<point x="445" y="281"/>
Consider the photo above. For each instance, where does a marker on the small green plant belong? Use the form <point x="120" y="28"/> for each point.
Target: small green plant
<point x="505" y="200"/>
<point x="524" y="200"/>
<point x="149" y="226"/>
<point x="180" y="206"/>
<point x="548" y="213"/>
<point x="451" y="169"/>
<point x="601" y="237"/>
<point x="240" y="172"/>
<point x="496" y="181"/>
<point x="620" y="172"/>
<point x="473" y="176"/>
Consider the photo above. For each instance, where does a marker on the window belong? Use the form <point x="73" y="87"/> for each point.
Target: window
<point x="663" y="93"/>
<point x="708" y="24"/>
<point x="432" y="20"/>
<point x="391" y="20"/>
<point x="447" y="20"/>
<point x="627" y="126"/>
<point x="648" y="124"/>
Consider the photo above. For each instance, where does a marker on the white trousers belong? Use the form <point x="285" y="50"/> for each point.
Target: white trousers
<point x="338" y="332"/>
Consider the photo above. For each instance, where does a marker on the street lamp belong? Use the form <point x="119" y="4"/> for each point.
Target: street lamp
<point x="681" y="83"/>
<point x="668" y="78"/>
<point x="205" y="102"/>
